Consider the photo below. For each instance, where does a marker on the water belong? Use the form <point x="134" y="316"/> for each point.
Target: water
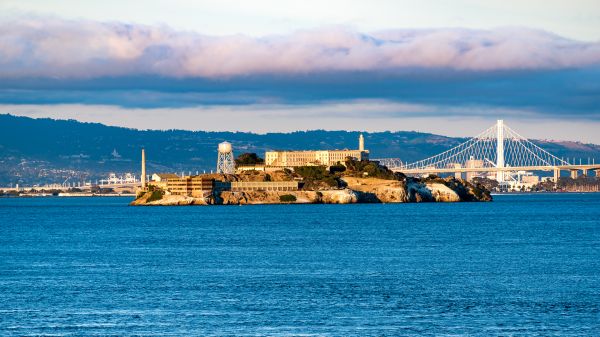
<point x="522" y="265"/>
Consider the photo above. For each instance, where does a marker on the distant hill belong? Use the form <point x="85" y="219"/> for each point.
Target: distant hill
<point x="45" y="150"/>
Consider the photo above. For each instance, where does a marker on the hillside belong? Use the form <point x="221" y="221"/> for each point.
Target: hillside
<point x="44" y="150"/>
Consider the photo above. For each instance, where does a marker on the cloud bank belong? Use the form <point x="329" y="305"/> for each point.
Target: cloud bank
<point x="57" y="48"/>
<point x="332" y="77"/>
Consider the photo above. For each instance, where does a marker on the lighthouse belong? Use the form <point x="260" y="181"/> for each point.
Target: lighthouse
<point x="361" y="142"/>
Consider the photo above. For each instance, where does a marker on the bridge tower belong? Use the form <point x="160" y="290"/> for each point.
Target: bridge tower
<point x="500" y="149"/>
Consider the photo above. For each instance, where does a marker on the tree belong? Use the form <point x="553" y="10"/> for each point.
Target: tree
<point x="248" y="159"/>
<point x="287" y="198"/>
<point x="337" y="168"/>
<point x="369" y="168"/>
<point x="316" y="176"/>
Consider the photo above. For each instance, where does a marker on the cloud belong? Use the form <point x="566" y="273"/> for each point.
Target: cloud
<point x="56" y="48"/>
<point x="463" y="73"/>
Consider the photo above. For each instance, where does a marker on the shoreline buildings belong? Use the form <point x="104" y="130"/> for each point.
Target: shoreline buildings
<point x="202" y="185"/>
<point x="315" y="157"/>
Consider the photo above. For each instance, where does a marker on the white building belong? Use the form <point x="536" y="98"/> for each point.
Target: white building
<point x="316" y="157"/>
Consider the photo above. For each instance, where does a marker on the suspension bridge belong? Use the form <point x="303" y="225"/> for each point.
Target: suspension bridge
<point x="498" y="150"/>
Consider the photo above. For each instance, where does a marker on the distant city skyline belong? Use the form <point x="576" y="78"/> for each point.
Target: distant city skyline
<point x="432" y="66"/>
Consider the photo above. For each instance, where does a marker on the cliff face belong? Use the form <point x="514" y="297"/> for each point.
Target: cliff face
<point x="415" y="190"/>
<point x="359" y="190"/>
<point x="344" y="196"/>
<point x="167" y="200"/>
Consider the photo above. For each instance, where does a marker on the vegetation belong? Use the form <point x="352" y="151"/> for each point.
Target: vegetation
<point x="489" y="184"/>
<point x="367" y="168"/>
<point x="248" y="159"/>
<point x="481" y="192"/>
<point x="317" y="176"/>
<point x="155" y="195"/>
<point x="333" y="169"/>
<point x="287" y="198"/>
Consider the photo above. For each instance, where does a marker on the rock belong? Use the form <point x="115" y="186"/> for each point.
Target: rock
<point x="391" y="194"/>
<point x="168" y="200"/>
<point x="345" y="196"/>
<point x="265" y="197"/>
<point x="442" y="193"/>
<point x="232" y="198"/>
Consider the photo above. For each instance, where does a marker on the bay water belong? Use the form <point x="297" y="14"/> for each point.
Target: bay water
<point x="520" y="265"/>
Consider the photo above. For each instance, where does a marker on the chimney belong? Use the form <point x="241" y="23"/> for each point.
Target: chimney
<point x="143" y="169"/>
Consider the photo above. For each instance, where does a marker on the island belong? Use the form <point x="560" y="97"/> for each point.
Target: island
<point x="355" y="181"/>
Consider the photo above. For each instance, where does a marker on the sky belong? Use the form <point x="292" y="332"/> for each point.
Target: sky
<point x="447" y="67"/>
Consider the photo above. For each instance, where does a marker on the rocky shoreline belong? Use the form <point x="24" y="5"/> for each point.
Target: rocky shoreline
<point x="356" y="190"/>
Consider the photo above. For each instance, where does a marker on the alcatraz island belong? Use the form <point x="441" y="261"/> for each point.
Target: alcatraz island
<point x="300" y="177"/>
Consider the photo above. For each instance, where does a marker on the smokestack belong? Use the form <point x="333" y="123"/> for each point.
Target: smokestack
<point x="143" y="169"/>
<point x="361" y="142"/>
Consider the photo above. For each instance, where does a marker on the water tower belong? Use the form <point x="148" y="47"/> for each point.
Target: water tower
<point x="225" y="162"/>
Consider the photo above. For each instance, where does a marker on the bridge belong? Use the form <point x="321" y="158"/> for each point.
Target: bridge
<point x="498" y="150"/>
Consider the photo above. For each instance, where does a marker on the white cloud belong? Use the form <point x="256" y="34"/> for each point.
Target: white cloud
<point x="50" y="47"/>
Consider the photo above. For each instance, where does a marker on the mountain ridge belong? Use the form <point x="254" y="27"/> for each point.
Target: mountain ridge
<point x="45" y="150"/>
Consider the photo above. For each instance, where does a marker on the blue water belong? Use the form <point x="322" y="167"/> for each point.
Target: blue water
<point x="521" y="265"/>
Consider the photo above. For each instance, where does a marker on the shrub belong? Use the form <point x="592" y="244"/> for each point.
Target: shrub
<point x="370" y="169"/>
<point x="316" y="177"/>
<point x="337" y="168"/>
<point x="331" y="181"/>
<point x="287" y="198"/>
<point x="248" y="159"/>
<point x="311" y="172"/>
<point x="156" y="195"/>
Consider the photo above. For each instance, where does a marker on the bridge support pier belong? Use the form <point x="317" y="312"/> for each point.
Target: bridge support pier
<point x="584" y="172"/>
<point x="574" y="174"/>
<point x="597" y="173"/>
<point x="556" y="175"/>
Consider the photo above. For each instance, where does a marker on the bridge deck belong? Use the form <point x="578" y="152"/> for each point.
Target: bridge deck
<point x="496" y="169"/>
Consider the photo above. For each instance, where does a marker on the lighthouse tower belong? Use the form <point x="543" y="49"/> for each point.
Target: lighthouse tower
<point x="361" y="142"/>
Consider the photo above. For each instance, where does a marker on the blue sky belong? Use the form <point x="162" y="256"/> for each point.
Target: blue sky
<point x="436" y="66"/>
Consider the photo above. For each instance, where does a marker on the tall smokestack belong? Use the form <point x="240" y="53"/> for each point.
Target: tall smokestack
<point x="143" y="169"/>
<point x="361" y="142"/>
